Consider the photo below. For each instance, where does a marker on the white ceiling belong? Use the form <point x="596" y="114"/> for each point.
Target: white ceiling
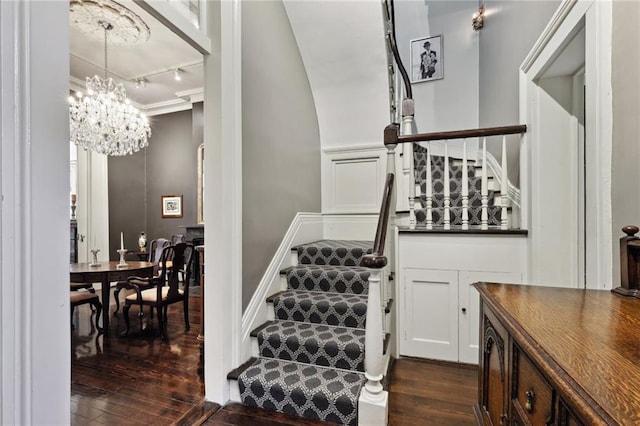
<point x="155" y="60"/>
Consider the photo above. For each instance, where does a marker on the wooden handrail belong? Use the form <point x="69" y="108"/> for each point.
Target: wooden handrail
<point x="392" y="134"/>
<point x="377" y="259"/>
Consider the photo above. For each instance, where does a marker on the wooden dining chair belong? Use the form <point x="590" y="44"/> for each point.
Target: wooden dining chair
<point x="166" y="288"/>
<point x="78" y="298"/>
<point x="155" y="252"/>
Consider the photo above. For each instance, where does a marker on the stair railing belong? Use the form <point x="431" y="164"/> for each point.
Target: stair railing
<point x="373" y="395"/>
<point x="507" y="198"/>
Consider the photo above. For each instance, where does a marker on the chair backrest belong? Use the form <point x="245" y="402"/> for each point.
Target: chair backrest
<point x="178" y="238"/>
<point x="179" y="254"/>
<point x="155" y="249"/>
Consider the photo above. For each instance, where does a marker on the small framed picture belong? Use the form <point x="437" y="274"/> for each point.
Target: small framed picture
<point x="427" y="63"/>
<point x="171" y="206"/>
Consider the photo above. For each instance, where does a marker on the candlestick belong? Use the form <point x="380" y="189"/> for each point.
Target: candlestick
<point x="121" y="241"/>
<point x="122" y="262"/>
<point x="95" y="258"/>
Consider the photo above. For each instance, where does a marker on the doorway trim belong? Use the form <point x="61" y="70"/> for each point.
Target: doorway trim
<point x="596" y="17"/>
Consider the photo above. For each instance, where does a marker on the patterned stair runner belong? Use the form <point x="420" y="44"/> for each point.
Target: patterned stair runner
<point x="311" y="357"/>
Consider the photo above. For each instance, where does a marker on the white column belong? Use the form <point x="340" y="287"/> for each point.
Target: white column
<point x="35" y="342"/>
<point x="373" y="402"/>
<point x="223" y="162"/>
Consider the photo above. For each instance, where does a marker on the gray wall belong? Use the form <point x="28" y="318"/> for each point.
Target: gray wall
<point x="510" y="31"/>
<point x="166" y="167"/>
<point x="625" y="198"/>
<point x="511" y="28"/>
<point x="281" y="140"/>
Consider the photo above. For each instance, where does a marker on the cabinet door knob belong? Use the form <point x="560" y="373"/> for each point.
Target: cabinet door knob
<point x="531" y="398"/>
<point x="464" y="310"/>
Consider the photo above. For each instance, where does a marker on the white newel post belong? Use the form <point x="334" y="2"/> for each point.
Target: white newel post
<point x="373" y="402"/>
<point x="407" y="157"/>
<point x="504" y="187"/>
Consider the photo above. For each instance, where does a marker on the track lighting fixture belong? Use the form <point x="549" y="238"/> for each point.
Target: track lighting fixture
<point x="177" y="75"/>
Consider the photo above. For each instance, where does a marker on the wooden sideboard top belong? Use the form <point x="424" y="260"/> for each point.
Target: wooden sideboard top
<point x="587" y="341"/>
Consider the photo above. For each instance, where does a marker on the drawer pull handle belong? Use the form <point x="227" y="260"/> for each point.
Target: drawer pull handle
<point x="531" y="398"/>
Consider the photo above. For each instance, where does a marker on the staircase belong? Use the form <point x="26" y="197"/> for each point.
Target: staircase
<point x="310" y="355"/>
<point x="494" y="209"/>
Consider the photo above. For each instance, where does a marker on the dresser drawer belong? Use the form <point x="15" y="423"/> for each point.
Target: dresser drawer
<point x="532" y="398"/>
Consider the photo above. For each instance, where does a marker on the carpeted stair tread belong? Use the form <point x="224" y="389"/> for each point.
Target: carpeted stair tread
<point x="333" y="252"/>
<point x="303" y="390"/>
<point x="329" y="278"/>
<point x="346" y="310"/>
<point x="494" y="214"/>
<point x="309" y="343"/>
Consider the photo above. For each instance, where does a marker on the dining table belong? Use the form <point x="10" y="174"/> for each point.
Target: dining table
<point x="106" y="273"/>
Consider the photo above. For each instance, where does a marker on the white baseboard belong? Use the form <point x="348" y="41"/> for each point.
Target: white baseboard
<point x="305" y="227"/>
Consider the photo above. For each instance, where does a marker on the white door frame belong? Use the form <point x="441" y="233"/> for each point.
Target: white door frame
<point x="596" y="16"/>
<point x="34" y="227"/>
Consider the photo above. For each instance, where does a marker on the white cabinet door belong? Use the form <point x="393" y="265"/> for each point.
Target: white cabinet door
<point x="430" y="306"/>
<point x="469" y="309"/>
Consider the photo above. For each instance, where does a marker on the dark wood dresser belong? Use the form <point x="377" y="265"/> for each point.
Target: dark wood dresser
<point x="556" y="356"/>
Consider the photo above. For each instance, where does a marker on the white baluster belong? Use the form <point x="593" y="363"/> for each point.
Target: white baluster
<point x="504" y="187"/>
<point x="447" y="194"/>
<point x="483" y="190"/>
<point x="412" y="186"/>
<point x="372" y="405"/>
<point x="465" y="188"/>
<point x="429" y="194"/>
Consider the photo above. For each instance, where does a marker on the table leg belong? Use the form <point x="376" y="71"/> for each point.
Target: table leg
<point x="106" y="291"/>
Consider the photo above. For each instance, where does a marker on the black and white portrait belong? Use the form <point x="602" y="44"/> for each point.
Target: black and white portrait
<point x="426" y="59"/>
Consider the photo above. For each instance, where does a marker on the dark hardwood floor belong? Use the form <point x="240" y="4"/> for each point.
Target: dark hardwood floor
<point x="141" y="380"/>
<point x="137" y="379"/>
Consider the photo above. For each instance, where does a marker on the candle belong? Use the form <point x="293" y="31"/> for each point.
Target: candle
<point x="73" y="197"/>
<point x="121" y="241"/>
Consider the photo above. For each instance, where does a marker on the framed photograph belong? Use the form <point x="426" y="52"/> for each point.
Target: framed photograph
<point x="427" y="63"/>
<point x="171" y="206"/>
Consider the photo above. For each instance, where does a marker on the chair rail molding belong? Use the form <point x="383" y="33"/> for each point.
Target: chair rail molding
<point x="352" y="178"/>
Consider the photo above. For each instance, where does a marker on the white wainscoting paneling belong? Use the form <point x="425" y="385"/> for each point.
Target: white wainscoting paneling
<point x="353" y="179"/>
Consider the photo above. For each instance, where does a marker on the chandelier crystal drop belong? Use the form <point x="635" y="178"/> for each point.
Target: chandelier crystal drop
<point x="103" y="120"/>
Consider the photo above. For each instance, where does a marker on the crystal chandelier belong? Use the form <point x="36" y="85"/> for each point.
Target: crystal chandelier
<point x="103" y="119"/>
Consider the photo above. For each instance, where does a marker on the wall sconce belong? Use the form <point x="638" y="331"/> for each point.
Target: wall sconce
<point x="478" y="18"/>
